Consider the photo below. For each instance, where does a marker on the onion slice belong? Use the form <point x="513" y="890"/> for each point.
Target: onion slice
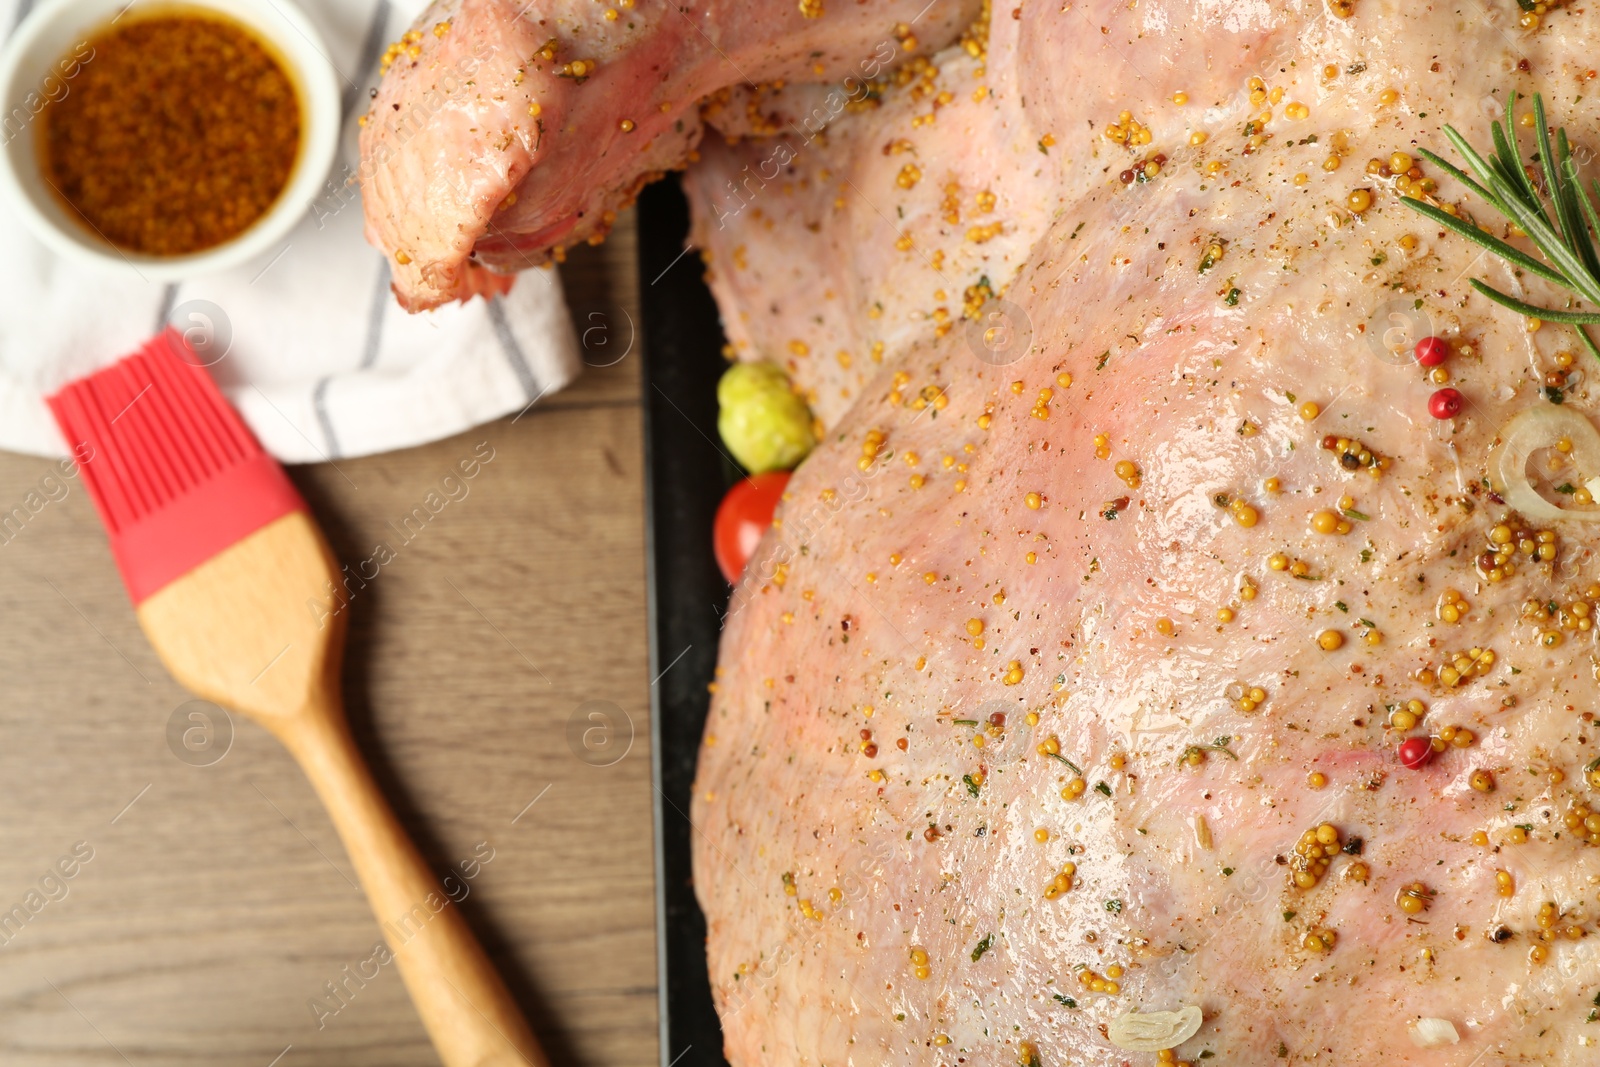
<point x="1154" y="1031"/>
<point x="1432" y="1033"/>
<point x="1527" y="432"/>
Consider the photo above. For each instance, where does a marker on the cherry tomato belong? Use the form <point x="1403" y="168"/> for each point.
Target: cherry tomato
<point x="1416" y="751"/>
<point x="742" y="517"/>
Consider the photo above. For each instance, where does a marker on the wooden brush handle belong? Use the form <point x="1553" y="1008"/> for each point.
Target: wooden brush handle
<point x="463" y="1003"/>
<point x="236" y="630"/>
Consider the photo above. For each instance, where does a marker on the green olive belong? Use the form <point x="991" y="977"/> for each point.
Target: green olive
<point x="764" y="424"/>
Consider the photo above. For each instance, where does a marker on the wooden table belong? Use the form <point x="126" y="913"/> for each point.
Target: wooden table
<point x="218" y="905"/>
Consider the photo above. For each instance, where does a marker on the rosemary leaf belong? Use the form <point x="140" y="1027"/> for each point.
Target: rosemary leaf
<point x="1485" y="239"/>
<point x="1075" y="768"/>
<point x="1583" y="318"/>
<point x="1455" y="172"/>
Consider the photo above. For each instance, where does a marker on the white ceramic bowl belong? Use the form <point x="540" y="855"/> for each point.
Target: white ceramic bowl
<point x="28" y="74"/>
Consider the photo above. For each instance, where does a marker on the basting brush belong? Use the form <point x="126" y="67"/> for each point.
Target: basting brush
<point x="221" y="558"/>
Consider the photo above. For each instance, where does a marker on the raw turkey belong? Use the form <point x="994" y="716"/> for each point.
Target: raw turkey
<point x="1156" y="662"/>
<point x="505" y="131"/>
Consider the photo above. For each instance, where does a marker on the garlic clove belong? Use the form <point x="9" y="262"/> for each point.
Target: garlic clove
<point x="1154" y="1031"/>
<point x="1432" y="1032"/>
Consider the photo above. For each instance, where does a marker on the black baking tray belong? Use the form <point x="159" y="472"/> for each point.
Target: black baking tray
<point x="687" y="476"/>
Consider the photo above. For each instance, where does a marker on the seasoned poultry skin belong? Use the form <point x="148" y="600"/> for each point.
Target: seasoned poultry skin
<point x="1132" y="549"/>
<point x="505" y="131"/>
<point x="878" y="832"/>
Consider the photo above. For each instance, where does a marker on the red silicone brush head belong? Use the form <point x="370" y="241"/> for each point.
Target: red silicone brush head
<point x="173" y="471"/>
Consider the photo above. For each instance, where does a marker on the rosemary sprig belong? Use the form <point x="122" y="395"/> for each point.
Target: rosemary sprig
<point x="1564" y="232"/>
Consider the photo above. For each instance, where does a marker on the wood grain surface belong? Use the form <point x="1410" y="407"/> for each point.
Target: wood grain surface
<point x="209" y="905"/>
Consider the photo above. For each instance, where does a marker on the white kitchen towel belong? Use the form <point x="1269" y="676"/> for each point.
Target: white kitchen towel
<point x="320" y="359"/>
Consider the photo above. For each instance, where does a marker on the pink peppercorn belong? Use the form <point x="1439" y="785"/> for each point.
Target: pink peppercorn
<point x="1432" y="351"/>
<point x="1415" y="751"/>
<point x="1446" y="403"/>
